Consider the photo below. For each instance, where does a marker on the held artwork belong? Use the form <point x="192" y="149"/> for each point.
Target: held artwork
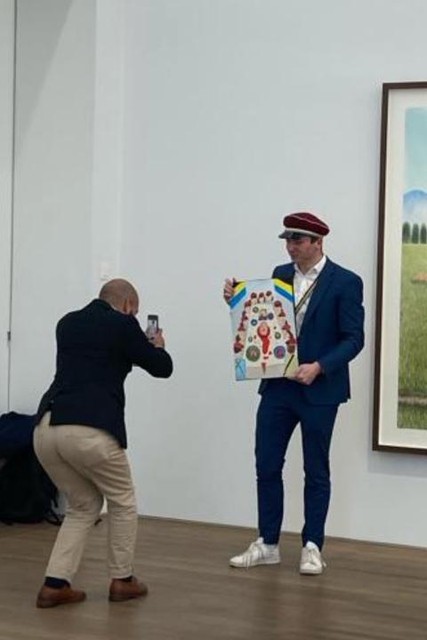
<point x="263" y="325"/>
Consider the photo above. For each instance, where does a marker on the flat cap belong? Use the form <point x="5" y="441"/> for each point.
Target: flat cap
<point x="303" y="223"/>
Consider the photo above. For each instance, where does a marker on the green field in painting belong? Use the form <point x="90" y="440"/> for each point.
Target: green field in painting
<point x="412" y="417"/>
<point x="413" y="336"/>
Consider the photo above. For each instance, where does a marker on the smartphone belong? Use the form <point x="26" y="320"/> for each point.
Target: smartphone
<point x="152" y="325"/>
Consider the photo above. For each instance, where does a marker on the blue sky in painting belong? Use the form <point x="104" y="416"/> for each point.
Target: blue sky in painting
<point x="415" y="198"/>
<point x="416" y="149"/>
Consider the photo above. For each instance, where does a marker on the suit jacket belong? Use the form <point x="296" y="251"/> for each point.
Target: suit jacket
<point x="331" y="333"/>
<point x="96" y="349"/>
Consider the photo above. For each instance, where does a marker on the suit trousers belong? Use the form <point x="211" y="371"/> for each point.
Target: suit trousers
<point x="88" y="464"/>
<point x="279" y="412"/>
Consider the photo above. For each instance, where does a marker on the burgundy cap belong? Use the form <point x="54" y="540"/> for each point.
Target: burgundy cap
<point x="303" y="223"/>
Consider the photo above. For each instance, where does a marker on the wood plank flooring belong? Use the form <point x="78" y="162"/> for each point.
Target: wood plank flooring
<point x="368" y="592"/>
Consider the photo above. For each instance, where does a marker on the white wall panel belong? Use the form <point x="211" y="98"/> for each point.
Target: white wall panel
<point x="7" y="28"/>
<point x="52" y="253"/>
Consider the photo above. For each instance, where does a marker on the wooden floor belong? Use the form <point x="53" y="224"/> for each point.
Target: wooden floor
<point x="369" y="591"/>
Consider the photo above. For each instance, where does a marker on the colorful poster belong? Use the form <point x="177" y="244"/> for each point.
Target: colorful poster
<point x="263" y="325"/>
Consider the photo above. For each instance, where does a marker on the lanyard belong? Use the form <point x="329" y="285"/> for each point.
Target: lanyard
<point x="307" y="293"/>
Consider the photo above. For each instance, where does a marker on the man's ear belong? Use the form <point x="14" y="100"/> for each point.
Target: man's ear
<point x="130" y="306"/>
<point x="127" y="306"/>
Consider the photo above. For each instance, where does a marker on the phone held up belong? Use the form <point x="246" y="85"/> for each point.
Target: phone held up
<point x="152" y="325"/>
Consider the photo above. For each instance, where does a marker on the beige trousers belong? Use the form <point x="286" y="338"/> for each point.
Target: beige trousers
<point x="88" y="464"/>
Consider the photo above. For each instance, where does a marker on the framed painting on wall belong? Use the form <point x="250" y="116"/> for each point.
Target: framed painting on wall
<point x="400" y="393"/>
<point x="263" y="326"/>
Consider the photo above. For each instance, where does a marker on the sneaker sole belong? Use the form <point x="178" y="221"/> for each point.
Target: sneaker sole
<point x="253" y="564"/>
<point x="311" y="572"/>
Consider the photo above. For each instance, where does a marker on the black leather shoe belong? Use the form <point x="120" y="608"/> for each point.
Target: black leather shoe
<point x="121" y="590"/>
<point x="48" y="597"/>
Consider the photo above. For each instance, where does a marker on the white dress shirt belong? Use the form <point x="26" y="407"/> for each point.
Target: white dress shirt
<point x="302" y="281"/>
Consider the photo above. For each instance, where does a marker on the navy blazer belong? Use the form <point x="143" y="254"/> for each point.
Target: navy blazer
<point x="96" y="349"/>
<point x="331" y="333"/>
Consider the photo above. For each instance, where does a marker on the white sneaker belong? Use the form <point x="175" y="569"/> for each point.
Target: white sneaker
<point x="311" y="560"/>
<point x="257" y="553"/>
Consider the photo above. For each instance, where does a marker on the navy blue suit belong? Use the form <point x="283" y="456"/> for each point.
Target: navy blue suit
<point x="331" y="334"/>
<point x="96" y="349"/>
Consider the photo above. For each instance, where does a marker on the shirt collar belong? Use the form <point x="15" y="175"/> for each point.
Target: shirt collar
<point x="314" y="271"/>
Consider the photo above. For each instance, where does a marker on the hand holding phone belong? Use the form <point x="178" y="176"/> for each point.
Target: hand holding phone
<point x="152" y="325"/>
<point x="153" y="331"/>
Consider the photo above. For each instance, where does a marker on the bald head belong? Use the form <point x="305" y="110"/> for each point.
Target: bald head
<point x="121" y="294"/>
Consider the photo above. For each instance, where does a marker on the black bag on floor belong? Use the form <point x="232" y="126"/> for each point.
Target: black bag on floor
<point x="27" y="494"/>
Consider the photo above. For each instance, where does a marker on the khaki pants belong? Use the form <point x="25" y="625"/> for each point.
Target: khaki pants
<point x="88" y="464"/>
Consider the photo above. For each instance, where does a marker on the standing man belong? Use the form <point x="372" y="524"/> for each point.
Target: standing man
<point x="329" y="318"/>
<point x="81" y="437"/>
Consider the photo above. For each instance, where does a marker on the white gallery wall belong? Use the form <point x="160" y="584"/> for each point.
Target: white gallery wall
<point x="237" y="112"/>
<point x="7" y="46"/>
<point x="52" y="249"/>
<point x="68" y="174"/>
<point x="165" y="140"/>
